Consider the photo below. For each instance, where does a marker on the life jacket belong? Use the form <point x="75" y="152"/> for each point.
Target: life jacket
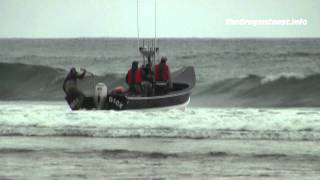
<point x="135" y="78"/>
<point x="161" y="72"/>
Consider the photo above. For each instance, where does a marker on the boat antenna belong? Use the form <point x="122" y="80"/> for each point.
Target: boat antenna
<point x="155" y="31"/>
<point x="155" y="21"/>
<point x="154" y="49"/>
<point x="138" y="39"/>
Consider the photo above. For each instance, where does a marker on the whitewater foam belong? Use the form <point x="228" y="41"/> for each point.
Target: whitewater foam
<point x="56" y="119"/>
<point x="287" y="76"/>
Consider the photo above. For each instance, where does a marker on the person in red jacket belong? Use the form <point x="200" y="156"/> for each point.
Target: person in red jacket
<point x="162" y="76"/>
<point x="134" y="78"/>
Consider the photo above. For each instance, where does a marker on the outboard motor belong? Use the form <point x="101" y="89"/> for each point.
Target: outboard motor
<point x="100" y="95"/>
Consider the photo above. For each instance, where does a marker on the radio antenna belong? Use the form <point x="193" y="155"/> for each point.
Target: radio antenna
<point x="138" y="39"/>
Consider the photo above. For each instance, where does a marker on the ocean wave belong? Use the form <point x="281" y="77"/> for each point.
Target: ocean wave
<point x="241" y="134"/>
<point x="278" y="77"/>
<point x="145" y="154"/>
<point x="15" y="150"/>
<point x="276" y="155"/>
<point x="123" y="153"/>
<point x="32" y="82"/>
<point x="35" y="82"/>
<point x="275" y="90"/>
<point x="301" y="54"/>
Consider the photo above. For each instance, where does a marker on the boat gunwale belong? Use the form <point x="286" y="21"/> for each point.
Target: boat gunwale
<point x="181" y="92"/>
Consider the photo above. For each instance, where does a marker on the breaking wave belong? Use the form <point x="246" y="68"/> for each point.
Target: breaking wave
<point x="55" y="119"/>
<point x="277" y="90"/>
<point x="34" y="82"/>
<point x="31" y="82"/>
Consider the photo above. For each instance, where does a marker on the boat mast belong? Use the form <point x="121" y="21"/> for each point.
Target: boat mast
<point x="155" y="30"/>
<point x="138" y="39"/>
<point x="151" y="50"/>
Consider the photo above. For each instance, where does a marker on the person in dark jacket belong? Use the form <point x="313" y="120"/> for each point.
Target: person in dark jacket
<point x="147" y="78"/>
<point x="147" y="71"/>
<point x="73" y="95"/>
<point x="134" y="78"/>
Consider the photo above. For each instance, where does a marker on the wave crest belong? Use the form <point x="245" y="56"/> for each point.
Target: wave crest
<point x="279" y="90"/>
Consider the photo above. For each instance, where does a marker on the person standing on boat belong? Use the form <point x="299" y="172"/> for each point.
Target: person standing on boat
<point x="73" y="95"/>
<point x="147" y="71"/>
<point x="134" y="78"/>
<point x="147" y="78"/>
<point x="162" y="76"/>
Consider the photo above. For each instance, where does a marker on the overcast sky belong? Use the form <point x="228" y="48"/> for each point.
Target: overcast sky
<point x="175" y="18"/>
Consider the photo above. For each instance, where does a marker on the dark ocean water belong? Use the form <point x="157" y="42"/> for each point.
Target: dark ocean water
<point x="253" y="113"/>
